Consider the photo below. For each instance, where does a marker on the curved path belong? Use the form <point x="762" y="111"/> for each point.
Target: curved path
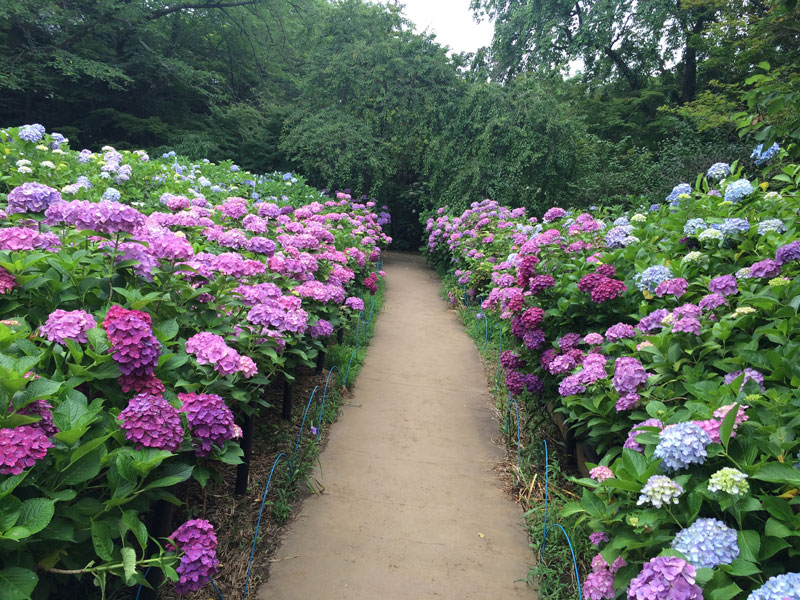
<point x="413" y="507"/>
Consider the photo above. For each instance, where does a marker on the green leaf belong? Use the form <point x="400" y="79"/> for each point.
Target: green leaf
<point x="770" y="546"/>
<point x="776" y="472"/>
<point x="728" y="422"/>
<point x="101" y="539"/>
<point x="10" y="509"/>
<point x="131" y="522"/>
<point x="17" y="583"/>
<point x="36" y="514"/>
<point x="704" y="575"/>
<point x="128" y="563"/>
<point x="725" y="593"/>
<point x="776" y="528"/>
<point x="170" y="475"/>
<point x="749" y="544"/>
<point x="742" y="568"/>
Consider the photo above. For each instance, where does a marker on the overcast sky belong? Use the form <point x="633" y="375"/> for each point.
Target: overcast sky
<point x="451" y="21"/>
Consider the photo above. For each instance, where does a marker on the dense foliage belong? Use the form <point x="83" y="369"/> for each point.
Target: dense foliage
<point x="666" y="335"/>
<point x="146" y="303"/>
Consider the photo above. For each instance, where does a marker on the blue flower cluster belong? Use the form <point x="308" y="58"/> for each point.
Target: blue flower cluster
<point x="768" y="225"/>
<point x="694" y="226"/>
<point x="718" y="170"/>
<point x="682" y="445"/>
<point x="615" y="238"/>
<point x="32" y="133"/>
<point x="741" y="188"/>
<point x="779" y="587"/>
<point x="651" y="277"/>
<point x="111" y="194"/>
<point x="707" y="543"/>
<point x="681" y="188"/>
<point x="761" y="156"/>
<point x="622" y="221"/>
<point x="655" y="207"/>
<point x="734" y="226"/>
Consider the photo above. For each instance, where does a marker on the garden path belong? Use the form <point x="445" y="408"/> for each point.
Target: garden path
<point x="413" y="506"/>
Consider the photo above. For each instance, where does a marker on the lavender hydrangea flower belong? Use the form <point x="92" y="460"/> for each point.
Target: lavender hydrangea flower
<point x="616" y="236"/>
<point x="631" y="442"/>
<point x="599" y="584"/>
<point x="629" y="374"/>
<point x="737" y="190"/>
<point x="724" y="284"/>
<point x="44" y="410"/>
<point x="749" y="374"/>
<point x="660" y="490"/>
<point x="600" y="474"/>
<point x="152" y="422"/>
<point x="651" y="277"/>
<point x="672" y="287"/>
<point x="678" y="190"/>
<point x="598" y="537"/>
<point x="31" y="133"/>
<point x="779" y="587"/>
<point x="707" y="543"/>
<point x="682" y="445"/>
<point x="665" y="578"/>
<point x="766" y="268"/>
<point x="718" y="170"/>
<point x="31" y="197"/>
<point x="21" y="447"/>
<point x="65" y="325"/>
<point x="618" y="332"/>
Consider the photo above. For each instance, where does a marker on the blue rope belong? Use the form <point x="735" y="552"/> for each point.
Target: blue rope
<point x="574" y="560"/>
<point x="324" y="395"/>
<point x="371" y="306"/>
<point x="546" y="486"/>
<point x="258" y="523"/>
<point x="485" y="331"/>
<point x="221" y="597"/>
<point x="519" y="444"/>
<point x="139" y="591"/>
<point x="300" y="433"/>
<point x="352" y="356"/>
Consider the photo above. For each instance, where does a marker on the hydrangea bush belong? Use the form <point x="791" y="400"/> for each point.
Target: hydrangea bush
<point x="145" y="303"/>
<point x="669" y="339"/>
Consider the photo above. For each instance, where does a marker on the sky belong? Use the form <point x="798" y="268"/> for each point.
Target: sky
<point x="451" y="21"/>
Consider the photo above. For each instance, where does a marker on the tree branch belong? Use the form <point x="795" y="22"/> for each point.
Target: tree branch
<point x="199" y="5"/>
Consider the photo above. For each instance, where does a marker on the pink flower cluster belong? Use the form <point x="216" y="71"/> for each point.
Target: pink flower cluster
<point x="65" y="325"/>
<point x="210" y="348"/>
<point x="151" y="422"/>
<point x="7" y="281"/>
<point x="133" y="345"/>
<point x="210" y="420"/>
<point x="21" y="447"/>
<point x="198" y="542"/>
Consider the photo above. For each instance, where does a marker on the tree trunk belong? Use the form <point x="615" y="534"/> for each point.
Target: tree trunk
<point x="626" y="71"/>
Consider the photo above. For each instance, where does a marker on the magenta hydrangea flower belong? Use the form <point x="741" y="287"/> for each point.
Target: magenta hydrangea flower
<point x="31" y="197"/>
<point x="134" y="347"/>
<point x="619" y="331"/>
<point x="108" y="216"/>
<point x="65" y="325"/>
<point x="553" y="213"/>
<point x="607" y="289"/>
<point x="22" y="238"/>
<point x="686" y="325"/>
<point x="665" y="578"/>
<point x="599" y="584"/>
<point x="42" y="409"/>
<point x="7" y="281"/>
<point x="210" y="420"/>
<point x="676" y="287"/>
<point x="598" y="537"/>
<point x="198" y="542"/>
<point x="355" y="303"/>
<point x="151" y="422"/>
<point x="21" y="447"/>
<point x="210" y="348"/>
<point x="593" y="339"/>
<point x="749" y="374"/>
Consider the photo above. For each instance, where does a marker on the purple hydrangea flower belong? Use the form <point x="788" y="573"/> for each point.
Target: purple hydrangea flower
<point x="354" y="303"/>
<point x="651" y="277"/>
<point x="571" y="386"/>
<point x="749" y="374"/>
<point x="322" y="329"/>
<point x="44" y="410"/>
<point x="682" y="445"/>
<point x="31" y="197"/>
<point x="707" y="543"/>
<point x="628" y="401"/>
<point x="152" y="422"/>
<point x="652" y="322"/>
<point x="598" y="537"/>
<point x="134" y="347"/>
<point x="618" y="332"/>
<point x="766" y="268"/>
<point x="65" y="325"/>
<point x="665" y="578"/>
<point x="593" y="339"/>
<point x="686" y="325"/>
<point x="31" y="133"/>
<point x="198" y="542"/>
<point x="631" y="442"/>
<point x="210" y="420"/>
<point x="712" y="301"/>
<point x="21" y="447"/>
<point x="599" y="584"/>
<point x="675" y="287"/>
<point x="629" y="374"/>
<point x="724" y="284"/>
<point x="787" y="253"/>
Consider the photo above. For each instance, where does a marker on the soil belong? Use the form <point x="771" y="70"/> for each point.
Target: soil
<point x="413" y="504"/>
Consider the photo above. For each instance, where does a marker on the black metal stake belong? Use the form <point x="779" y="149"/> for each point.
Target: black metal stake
<point x="286" y="413"/>
<point x="320" y="362"/>
<point x="243" y="470"/>
<point x="162" y="527"/>
<point x="340" y="335"/>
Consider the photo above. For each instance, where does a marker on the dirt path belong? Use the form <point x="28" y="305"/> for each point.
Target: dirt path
<point x="412" y="508"/>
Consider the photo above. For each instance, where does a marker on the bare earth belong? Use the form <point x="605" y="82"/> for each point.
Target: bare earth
<point x="412" y="507"/>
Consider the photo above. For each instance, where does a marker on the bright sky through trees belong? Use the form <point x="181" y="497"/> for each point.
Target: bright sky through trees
<point x="451" y="21"/>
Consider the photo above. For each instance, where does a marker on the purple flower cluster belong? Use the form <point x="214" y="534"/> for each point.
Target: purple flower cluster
<point x="553" y="213"/>
<point x="598" y="537"/>
<point x="653" y="322"/>
<point x="104" y="217"/>
<point x="354" y="303"/>
<point x="198" y="542"/>
<point x="21" y="447"/>
<point x="133" y="345"/>
<point x="724" y="284"/>
<point x="675" y="287"/>
<point x="322" y="329"/>
<point x="210" y="420"/>
<point x="766" y="268"/>
<point x="788" y="253"/>
<point x="599" y="584"/>
<point x="31" y="197"/>
<point x="665" y="578"/>
<point x="749" y="375"/>
<point x="151" y="422"/>
<point x="619" y="331"/>
<point x="21" y="238"/>
<point x="65" y="325"/>
<point x="629" y="374"/>
<point x="210" y="348"/>
<point x="600" y="474"/>
<point x="7" y="281"/>
<point x="511" y="360"/>
<point x="44" y="410"/>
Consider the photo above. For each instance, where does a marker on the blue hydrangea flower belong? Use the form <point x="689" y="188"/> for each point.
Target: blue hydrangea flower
<point x="655" y="207"/>
<point x="734" y="226"/>
<point x="32" y="133"/>
<point x="169" y="154"/>
<point x="718" y="170"/>
<point x="651" y="277"/>
<point x="739" y="189"/>
<point x="694" y="226"/>
<point x="681" y="188"/>
<point x="287" y="176"/>
<point x="682" y="445"/>
<point x="779" y="587"/>
<point x="761" y="156"/>
<point x="234" y="168"/>
<point x="768" y="225"/>
<point x="111" y="194"/>
<point x="707" y="543"/>
<point x="58" y="141"/>
<point x="622" y="221"/>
